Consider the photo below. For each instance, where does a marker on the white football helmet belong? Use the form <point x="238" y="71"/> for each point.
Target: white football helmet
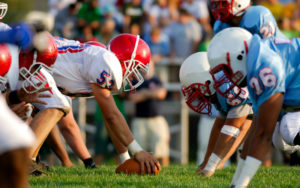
<point x="224" y="10"/>
<point x="3" y="9"/>
<point x="196" y="82"/>
<point x="227" y="53"/>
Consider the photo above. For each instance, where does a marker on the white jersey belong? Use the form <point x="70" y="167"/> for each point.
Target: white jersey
<point x="56" y="99"/>
<point x="4" y="27"/>
<point x="14" y="133"/>
<point x="78" y="65"/>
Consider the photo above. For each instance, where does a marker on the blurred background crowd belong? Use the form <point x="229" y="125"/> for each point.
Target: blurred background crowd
<point x="173" y="29"/>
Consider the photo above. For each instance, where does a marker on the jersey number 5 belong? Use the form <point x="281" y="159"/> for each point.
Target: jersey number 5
<point x="267" y="78"/>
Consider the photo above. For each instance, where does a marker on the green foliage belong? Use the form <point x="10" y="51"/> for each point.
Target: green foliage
<point x="173" y="176"/>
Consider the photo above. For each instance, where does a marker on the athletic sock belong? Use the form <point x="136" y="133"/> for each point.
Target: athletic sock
<point x="89" y="163"/>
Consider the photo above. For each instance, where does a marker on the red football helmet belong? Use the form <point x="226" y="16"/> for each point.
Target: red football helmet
<point x="32" y="61"/>
<point x="225" y="10"/>
<point x="134" y="55"/>
<point x="5" y="62"/>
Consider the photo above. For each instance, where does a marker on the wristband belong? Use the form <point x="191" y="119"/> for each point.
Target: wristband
<point x="134" y="147"/>
<point x="124" y="156"/>
<point x="13" y="98"/>
<point x="213" y="162"/>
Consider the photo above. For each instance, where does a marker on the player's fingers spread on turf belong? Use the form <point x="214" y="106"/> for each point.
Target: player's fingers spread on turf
<point x="157" y="165"/>
<point x="142" y="167"/>
<point x="152" y="163"/>
<point x="148" y="167"/>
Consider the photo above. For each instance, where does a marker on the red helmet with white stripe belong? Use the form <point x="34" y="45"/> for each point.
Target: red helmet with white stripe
<point x="5" y="62"/>
<point x="134" y="55"/>
<point x="32" y="61"/>
<point x="225" y="10"/>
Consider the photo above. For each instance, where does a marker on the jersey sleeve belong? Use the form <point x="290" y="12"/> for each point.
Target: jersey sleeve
<point x="259" y="20"/>
<point x="265" y="73"/>
<point x="105" y="70"/>
<point x="219" y="26"/>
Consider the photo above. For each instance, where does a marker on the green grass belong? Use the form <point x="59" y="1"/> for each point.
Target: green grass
<point x="173" y="176"/>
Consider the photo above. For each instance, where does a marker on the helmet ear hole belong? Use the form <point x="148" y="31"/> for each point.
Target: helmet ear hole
<point x="240" y="57"/>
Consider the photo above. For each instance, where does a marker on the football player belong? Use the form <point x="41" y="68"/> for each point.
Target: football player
<point x="239" y="13"/>
<point x="34" y="69"/>
<point x="269" y="67"/>
<point x="230" y="126"/>
<point x="15" y="136"/>
<point x="85" y="70"/>
<point x="256" y="19"/>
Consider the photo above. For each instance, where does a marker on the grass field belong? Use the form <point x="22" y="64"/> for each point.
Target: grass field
<point x="173" y="176"/>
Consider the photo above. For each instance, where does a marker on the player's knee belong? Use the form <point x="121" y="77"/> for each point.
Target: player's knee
<point x="264" y="135"/>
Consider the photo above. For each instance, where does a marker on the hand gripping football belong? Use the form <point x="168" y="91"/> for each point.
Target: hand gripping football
<point x="132" y="166"/>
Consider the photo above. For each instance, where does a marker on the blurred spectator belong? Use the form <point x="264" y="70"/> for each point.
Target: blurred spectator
<point x="110" y="11"/>
<point x="89" y="15"/>
<point x="65" y="21"/>
<point x="149" y="127"/>
<point x="158" y="15"/>
<point x="284" y="2"/>
<point x="199" y="9"/>
<point x="87" y="35"/>
<point x="57" y="5"/>
<point x="103" y="3"/>
<point x="107" y="31"/>
<point x="159" y="44"/>
<point x="135" y="29"/>
<point x="133" y="14"/>
<point x="173" y="8"/>
<point x="291" y="19"/>
<point x="185" y="35"/>
<point x="275" y="7"/>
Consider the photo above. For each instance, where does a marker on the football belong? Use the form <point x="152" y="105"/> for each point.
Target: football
<point x="132" y="166"/>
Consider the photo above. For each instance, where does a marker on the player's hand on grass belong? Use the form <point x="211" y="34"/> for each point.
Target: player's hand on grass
<point x="200" y="168"/>
<point x="147" y="160"/>
<point x="206" y="173"/>
<point x="33" y="97"/>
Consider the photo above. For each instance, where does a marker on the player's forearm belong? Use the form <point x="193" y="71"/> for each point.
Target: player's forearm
<point x="120" y="129"/>
<point x="120" y="148"/>
<point x="213" y="139"/>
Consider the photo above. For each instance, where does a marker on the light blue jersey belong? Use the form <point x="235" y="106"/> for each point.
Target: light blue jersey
<point x="224" y="105"/>
<point x="257" y="20"/>
<point x="273" y="66"/>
